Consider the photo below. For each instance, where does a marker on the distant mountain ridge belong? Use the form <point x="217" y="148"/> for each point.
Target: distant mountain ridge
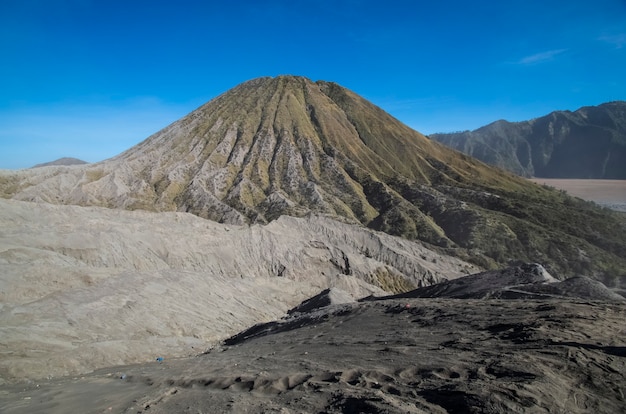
<point x="291" y="146"/>
<point x="587" y="143"/>
<point x="61" y="161"/>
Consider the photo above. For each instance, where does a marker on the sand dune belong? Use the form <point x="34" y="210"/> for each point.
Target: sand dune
<point x="83" y="288"/>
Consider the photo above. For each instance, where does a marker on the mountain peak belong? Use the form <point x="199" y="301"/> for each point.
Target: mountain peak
<point x="61" y="161"/>
<point x="286" y="145"/>
<point x="587" y="143"/>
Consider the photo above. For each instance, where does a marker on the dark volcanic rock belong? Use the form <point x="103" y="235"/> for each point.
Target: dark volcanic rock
<point x="395" y="356"/>
<point x="518" y="282"/>
<point x="527" y="281"/>
<point x="327" y="297"/>
<point x="575" y="287"/>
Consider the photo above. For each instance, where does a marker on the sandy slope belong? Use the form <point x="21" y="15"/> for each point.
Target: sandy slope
<point x="391" y="356"/>
<point x="83" y="288"/>
<point x="88" y="288"/>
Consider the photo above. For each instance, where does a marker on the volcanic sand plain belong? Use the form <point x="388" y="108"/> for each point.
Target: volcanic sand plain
<point x="607" y="193"/>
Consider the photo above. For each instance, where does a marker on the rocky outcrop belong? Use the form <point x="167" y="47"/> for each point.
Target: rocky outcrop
<point x="527" y="281"/>
<point x="327" y="297"/>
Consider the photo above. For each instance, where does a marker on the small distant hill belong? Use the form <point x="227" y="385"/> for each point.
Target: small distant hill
<point x="587" y="143"/>
<point x="61" y="161"/>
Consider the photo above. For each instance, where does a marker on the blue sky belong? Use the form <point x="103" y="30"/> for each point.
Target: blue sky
<point x="91" y="78"/>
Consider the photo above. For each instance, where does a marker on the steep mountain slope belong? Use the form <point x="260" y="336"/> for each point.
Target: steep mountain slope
<point x="290" y="146"/>
<point x="587" y="143"/>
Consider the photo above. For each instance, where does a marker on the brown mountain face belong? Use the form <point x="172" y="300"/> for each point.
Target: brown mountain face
<point x="287" y="145"/>
<point x="587" y="143"/>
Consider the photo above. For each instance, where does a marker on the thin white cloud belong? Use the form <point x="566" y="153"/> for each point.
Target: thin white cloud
<point x="541" y="57"/>
<point x="617" y="40"/>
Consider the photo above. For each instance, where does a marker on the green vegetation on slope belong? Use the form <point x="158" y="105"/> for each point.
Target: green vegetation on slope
<point x="286" y="145"/>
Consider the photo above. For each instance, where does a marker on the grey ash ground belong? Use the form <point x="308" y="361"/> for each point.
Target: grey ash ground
<point x="406" y="355"/>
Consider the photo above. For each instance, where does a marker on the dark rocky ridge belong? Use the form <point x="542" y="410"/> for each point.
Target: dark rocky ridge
<point x="527" y="281"/>
<point x="290" y="146"/>
<point x="587" y="143"/>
